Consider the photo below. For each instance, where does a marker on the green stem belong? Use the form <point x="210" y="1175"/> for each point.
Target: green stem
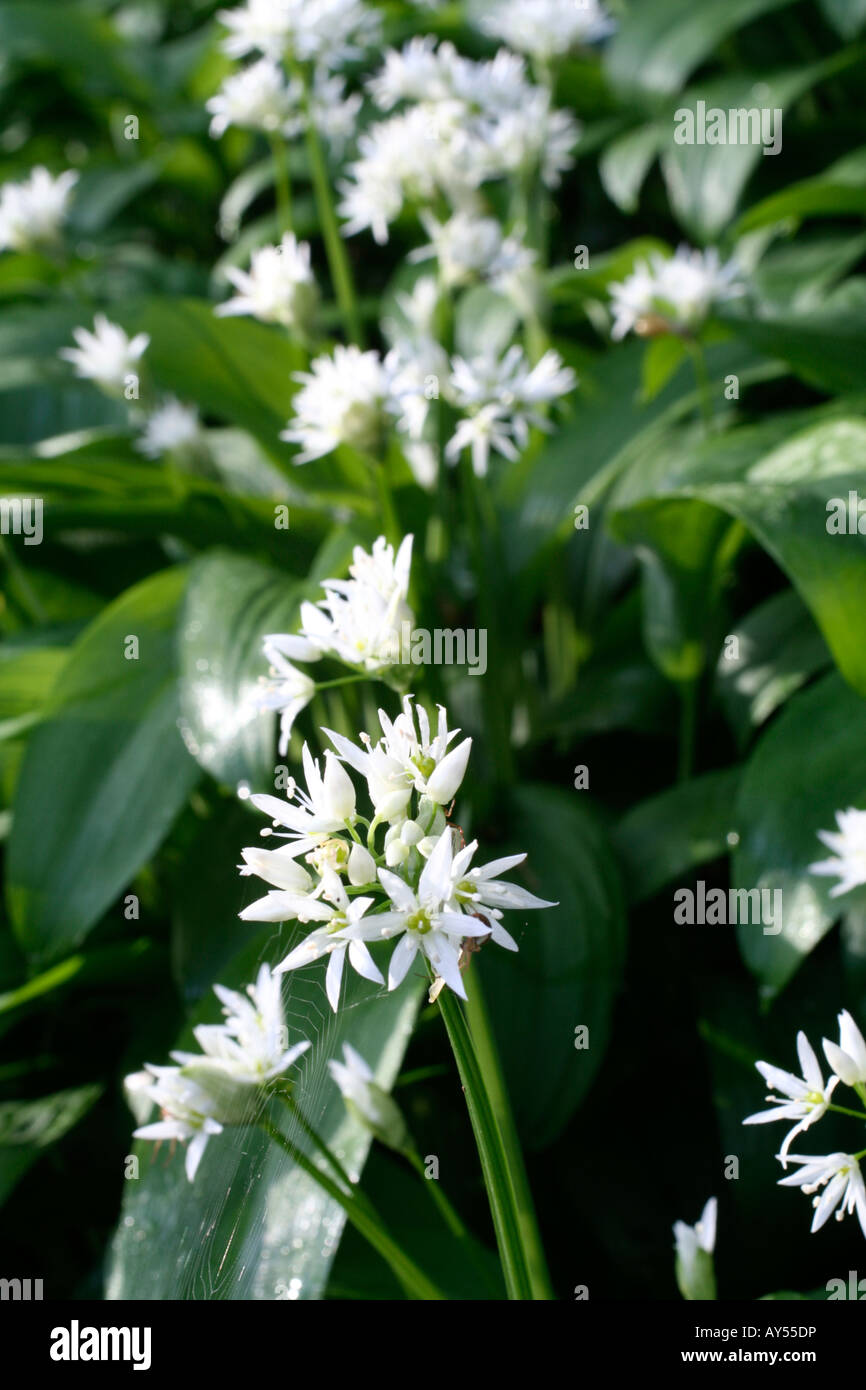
<point x="491" y="1151"/>
<point x="283" y="185"/>
<point x="389" y="511"/>
<point x="702" y="380"/>
<point x="327" y="1153"/>
<point x="338" y="261"/>
<point x="342" y="680"/>
<point x="491" y="1068"/>
<point x="860" y="1088"/>
<point x="411" y="1277"/>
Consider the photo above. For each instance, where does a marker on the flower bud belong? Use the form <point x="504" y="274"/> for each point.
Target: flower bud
<point x="362" y="866"/>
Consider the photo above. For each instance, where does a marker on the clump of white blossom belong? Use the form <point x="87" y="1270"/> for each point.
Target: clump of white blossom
<point x="358" y="622"/>
<point x="848" y="843"/>
<point x="215" y="1087"/>
<point x="835" y="1180"/>
<point x="543" y="29"/>
<point x="673" y="294"/>
<point x="454" y="125"/>
<point x="400" y="874"/>
<point x="32" y="213"/>
<point x="106" y="356"/>
<point x="279" y="286"/>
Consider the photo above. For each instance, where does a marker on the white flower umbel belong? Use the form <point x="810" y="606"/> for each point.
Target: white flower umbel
<point x="803" y="1098"/>
<point x="278" y="287"/>
<point x="501" y="396"/>
<point x="848" y="1059"/>
<point x="32" y="213"/>
<point x="848" y="844"/>
<point x="694" y="1254"/>
<point x="343" y="399"/>
<point x="257" y="98"/>
<point x="542" y="29"/>
<point x="407" y="758"/>
<point x="188" y="1113"/>
<point x="106" y="356"/>
<point x="360" y="619"/>
<point x="367" y="1101"/>
<point x="172" y="425"/>
<point x="673" y="294"/>
<point x="840" y="1176"/>
<point x="417" y="885"/>
<point x="251" y="1046"/>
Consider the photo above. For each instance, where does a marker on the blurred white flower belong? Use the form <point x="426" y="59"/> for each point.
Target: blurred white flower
<point x="32" y="212"/>
<point x="848" y="1059"/>
<point x="673" y="294"/>
<point x="694" y="1248"/>
<point x="543" y="29"/>
<point x="335" y="114"/>
<point x="172" y="425"/>
<point x="464" y="123"/>
<point x="467" y="247"/>
<point x="366" y="1099"/>
<point x="188" y="1112"/>
<point x="106" y="356"/>
<point x="360" y="619"/>
<point x="257" y="98"/>
<point x="327" y="32"/>
<point x="804" y="1098"/>
<point x="499" y="395"/>
<point x="279" y="286"/>
<point x="840" y="1176"/>
<point x="343" y="399"/>
<point x="848" y="844"/>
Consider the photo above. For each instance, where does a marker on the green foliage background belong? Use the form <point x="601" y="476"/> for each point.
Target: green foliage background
<point x="118" y="777"/>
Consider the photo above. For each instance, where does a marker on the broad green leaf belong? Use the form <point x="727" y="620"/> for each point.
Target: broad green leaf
<point x="253" y="1226"/>
<point x="798" y="275"/>
<point x="104" y="774"/>
<point x="230" y="604"/>
<point x="838" y="192"/>
<point x="625" y="163"/>
<point x="665" y="837"/>
<point x="783" y="492"/>
<point x="29" y="1127"/>
<point x="567" y="970"/>
<point x="768" y="655"/>
<point x="846" y="16"/>
<point x="26" y="676"/>
<point x="808" y="765"/>
<point x="826" y="345"/>
<point x="660" y="42"/>
<point x="705" y="181"/>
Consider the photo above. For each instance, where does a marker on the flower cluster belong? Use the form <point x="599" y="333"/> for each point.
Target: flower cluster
<point x="278" y="288"/>
<point x="210" y="1089"/>
<point x="460" y="124"/>
<point x="32" y="213"/>
<point x="417" y="886"/>
<point x="805" y="1100"/>
<point x="673" y="294"/>
<point x="351" y="397"/>
<point x="542" y="29"/>
<point x="358" y="622"/>
<point x="109" y="358"/>
<point x="313" y="39"/>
